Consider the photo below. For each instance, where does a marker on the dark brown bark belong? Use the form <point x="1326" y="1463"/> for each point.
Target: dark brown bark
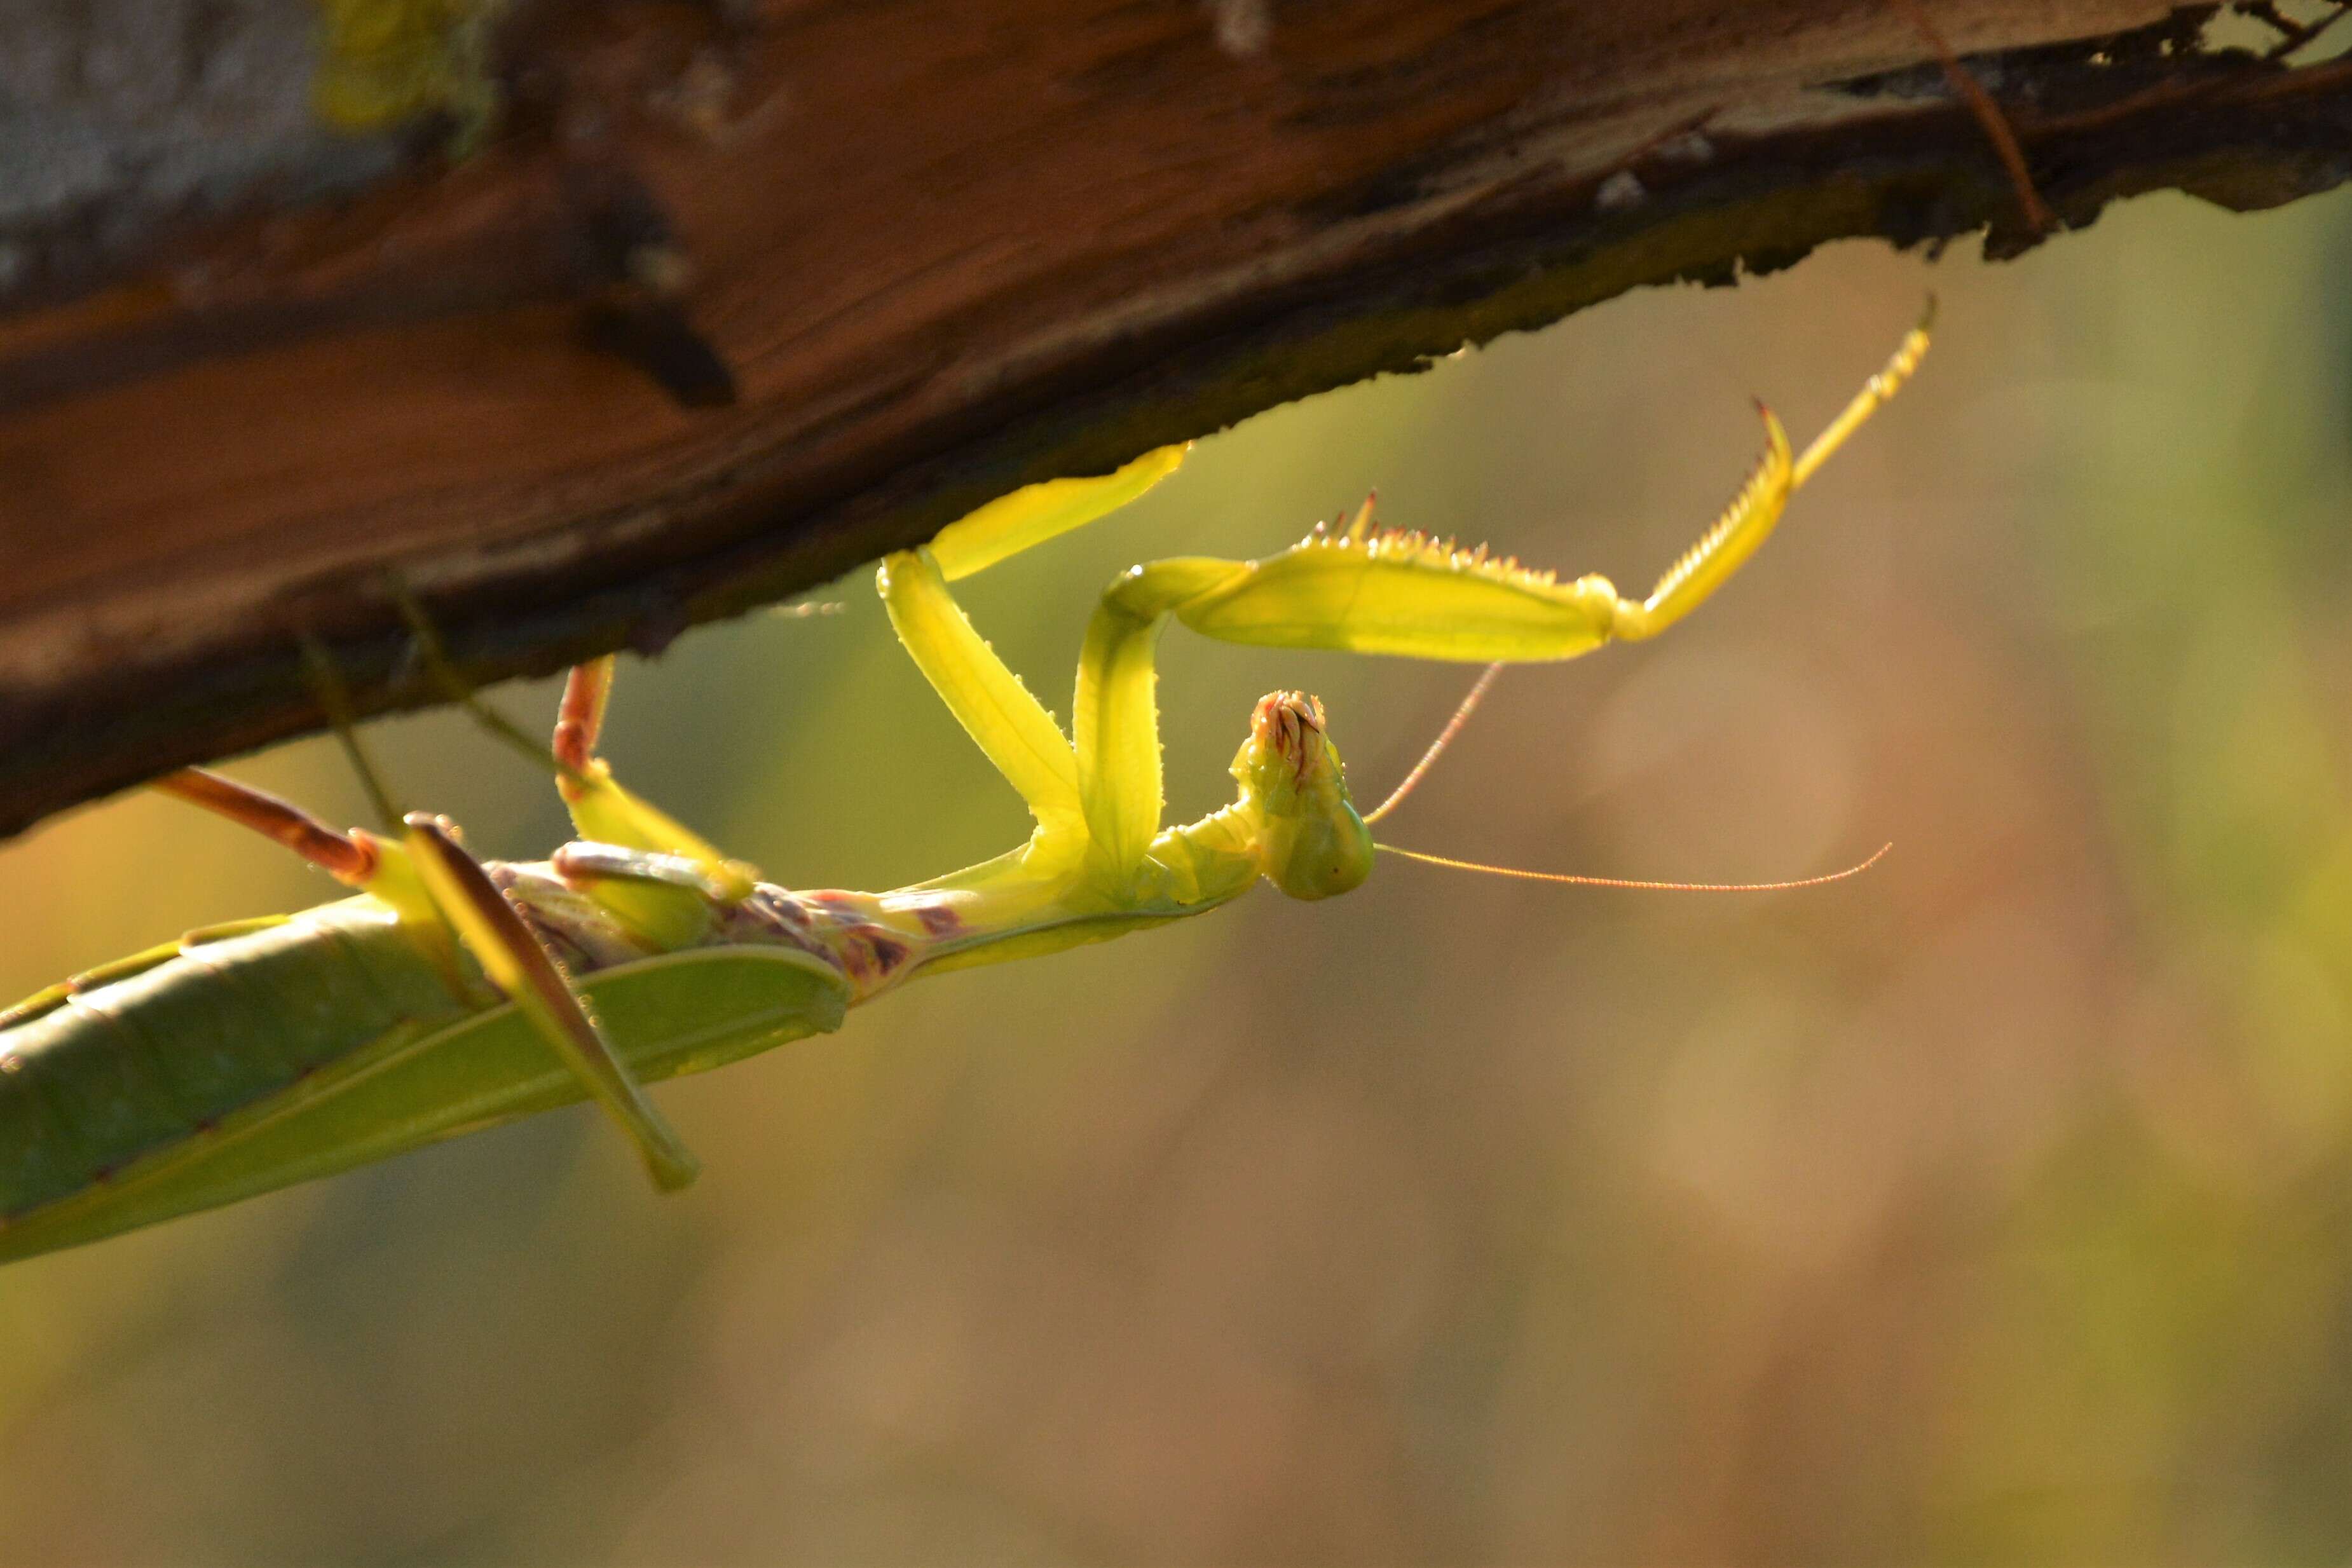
<point x="735" y="297"/>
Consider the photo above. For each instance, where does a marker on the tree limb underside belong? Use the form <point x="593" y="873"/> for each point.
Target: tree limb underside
<point x="728" y="298"/>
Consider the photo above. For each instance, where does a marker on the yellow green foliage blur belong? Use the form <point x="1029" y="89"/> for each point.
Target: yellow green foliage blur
<point x="1993" y="1207"/>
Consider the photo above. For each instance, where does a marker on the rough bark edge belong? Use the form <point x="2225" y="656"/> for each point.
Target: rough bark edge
<point x="2102" y="120"/>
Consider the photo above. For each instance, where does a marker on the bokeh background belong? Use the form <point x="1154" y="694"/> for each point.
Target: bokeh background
<point x="1996" y="1206"/>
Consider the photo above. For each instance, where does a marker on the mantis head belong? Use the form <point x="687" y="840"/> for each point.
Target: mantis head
<point x="1311" y="843"/>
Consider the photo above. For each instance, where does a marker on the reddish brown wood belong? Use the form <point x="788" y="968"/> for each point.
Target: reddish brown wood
<point x="942" y="249"/>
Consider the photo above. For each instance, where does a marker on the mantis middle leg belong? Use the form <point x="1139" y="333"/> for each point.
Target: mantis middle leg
<point x="445" y="898"/>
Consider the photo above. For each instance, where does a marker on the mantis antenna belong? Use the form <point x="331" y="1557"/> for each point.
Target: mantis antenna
<point x="1446" y="737"/>
<point x="1640" y="886"/>
<point x="1874" y="394"/>
<point x="1437" y="748"/>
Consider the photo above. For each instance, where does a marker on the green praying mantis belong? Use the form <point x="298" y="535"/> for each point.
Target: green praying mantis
<point x="451" y="994"/>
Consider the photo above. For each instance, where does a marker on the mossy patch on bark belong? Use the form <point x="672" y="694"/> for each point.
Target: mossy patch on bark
<point x="384" y="63"/>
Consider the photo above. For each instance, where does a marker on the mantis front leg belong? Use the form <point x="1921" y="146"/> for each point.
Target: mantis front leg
<point x="995" y="709"/>
<point x="1355" y="588"/>
<point x="1402" y="594"/>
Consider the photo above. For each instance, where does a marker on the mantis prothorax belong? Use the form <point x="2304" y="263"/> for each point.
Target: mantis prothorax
<point x="452" y="993"/>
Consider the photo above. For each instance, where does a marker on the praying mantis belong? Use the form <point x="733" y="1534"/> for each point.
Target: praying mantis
<point x="451" y="994"/>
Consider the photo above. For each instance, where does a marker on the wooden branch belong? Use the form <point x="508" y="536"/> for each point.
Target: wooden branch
<point x="733" y="298"/>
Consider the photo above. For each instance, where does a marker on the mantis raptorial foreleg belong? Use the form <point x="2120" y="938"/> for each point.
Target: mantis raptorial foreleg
<point x="1353" y="589"/>
<point x="995" y="709"/>
<point x="1011" y="523"/>
<point x="1405" y="594"/>
<point x="1008" y="724"/>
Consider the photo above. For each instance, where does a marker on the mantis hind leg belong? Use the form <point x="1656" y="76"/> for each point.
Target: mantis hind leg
<point x="347" y="857"/>
<point x="445" y="898"/>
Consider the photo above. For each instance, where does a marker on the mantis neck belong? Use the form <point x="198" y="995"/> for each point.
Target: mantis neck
<point x="1044" y="897"/>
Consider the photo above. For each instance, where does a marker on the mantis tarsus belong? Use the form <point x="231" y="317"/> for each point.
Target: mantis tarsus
<point x="452" y="993"/>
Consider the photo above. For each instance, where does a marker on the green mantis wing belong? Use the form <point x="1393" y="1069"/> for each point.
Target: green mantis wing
<point x="404" y="1083"/>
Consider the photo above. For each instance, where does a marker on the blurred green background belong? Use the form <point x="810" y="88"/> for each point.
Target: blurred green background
<point x="1994" y="1207"/>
